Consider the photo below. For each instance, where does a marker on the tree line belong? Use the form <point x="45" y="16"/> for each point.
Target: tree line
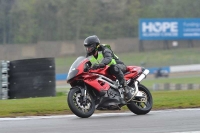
<point x="30" y="21"/>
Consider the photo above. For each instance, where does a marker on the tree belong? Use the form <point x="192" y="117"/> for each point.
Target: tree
<point x="5" y="21"/>
<point x="30" y="21"/>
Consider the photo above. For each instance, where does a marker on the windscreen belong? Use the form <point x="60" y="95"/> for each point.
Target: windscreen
<point x="73" y="69"/>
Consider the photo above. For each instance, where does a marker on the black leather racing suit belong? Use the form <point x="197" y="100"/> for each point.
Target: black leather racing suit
<point x="118" y="69"/>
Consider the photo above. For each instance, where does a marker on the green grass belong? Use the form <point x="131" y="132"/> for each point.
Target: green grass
<point x="176" y="99"/>
<point x="58" y="105"/>
<point x="34" y="106"/>
<point x="150" y="58"/>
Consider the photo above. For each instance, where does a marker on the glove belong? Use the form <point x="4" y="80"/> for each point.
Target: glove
<point x="97" y="66"/>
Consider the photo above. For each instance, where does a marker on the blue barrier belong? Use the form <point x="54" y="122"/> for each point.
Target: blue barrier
<point x="154" y="69"/>
<point x="61" y="76"/>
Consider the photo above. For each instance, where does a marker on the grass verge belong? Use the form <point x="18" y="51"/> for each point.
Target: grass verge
<point x="58" y="105"/>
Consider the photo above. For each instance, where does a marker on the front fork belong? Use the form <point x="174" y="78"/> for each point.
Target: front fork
<point x="84" y="93"/>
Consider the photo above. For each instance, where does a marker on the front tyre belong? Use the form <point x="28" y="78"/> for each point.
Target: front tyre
<point x="141" y="106"/>
<point x="78" y="106"/>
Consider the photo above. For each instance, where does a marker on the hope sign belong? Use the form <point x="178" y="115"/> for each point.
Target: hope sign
<point x="160" y="27"/>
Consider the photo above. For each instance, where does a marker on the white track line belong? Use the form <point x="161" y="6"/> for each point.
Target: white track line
<point x="187" y="132"/>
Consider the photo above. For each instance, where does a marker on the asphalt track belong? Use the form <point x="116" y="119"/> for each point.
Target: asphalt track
<point x="163" y="121"/>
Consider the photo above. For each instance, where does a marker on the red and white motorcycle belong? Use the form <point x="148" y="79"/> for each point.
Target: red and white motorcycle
<point x="96" y="89"/>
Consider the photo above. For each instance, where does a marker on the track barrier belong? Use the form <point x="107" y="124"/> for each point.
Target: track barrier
<point x="32" y="78"/>
<point x="170" y="86"/>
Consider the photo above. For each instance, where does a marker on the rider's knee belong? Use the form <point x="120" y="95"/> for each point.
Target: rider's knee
<point x="114" y="69"/>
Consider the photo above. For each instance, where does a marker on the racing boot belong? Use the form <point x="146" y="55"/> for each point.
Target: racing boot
<point x="128" y="95"/>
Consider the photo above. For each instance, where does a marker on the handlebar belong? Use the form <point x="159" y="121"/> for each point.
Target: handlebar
<point x="89" y="69"/>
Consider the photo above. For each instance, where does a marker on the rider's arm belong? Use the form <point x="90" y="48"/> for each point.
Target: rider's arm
<point x="107" y="56"/>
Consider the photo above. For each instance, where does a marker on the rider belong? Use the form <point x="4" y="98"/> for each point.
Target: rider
<point x="100" y="56"/>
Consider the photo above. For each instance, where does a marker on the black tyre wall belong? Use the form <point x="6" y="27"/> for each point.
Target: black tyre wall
<point x="32" y="78"/>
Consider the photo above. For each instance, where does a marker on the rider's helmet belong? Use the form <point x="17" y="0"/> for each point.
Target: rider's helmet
<point x="91" y="43"/>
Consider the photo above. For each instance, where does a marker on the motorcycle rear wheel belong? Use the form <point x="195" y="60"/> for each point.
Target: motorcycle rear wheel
<point x="141" y="108"/>
<point x="77" y="106"/>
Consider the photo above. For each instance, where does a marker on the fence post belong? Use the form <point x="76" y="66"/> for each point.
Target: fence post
<point x="190" y="86"/>
<point x="156" y="87"/>
<point x="178" y="87"/>
<point x="167" y="86"/>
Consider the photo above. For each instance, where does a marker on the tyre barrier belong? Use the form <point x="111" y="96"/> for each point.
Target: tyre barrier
<point x="32" y="78"/>
<point x="4" y="68"/>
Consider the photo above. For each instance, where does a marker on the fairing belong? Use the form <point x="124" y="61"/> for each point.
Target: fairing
<point x="133" y="71"/>
<point x="77" y="67"/>
<point x="93" y="78"/>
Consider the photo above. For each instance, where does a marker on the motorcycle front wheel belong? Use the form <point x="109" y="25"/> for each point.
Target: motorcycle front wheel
<point x="78" y="106"/>
<point x="141" y="106"/>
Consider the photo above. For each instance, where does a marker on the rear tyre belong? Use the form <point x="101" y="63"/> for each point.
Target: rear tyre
<point x="78" y="106"/>
<point x="141" y="106"/>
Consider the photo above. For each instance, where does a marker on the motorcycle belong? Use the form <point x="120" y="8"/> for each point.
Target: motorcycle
<point x="98" y="90"/>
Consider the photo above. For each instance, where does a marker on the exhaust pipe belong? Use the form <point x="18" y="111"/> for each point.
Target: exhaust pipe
<point x="139" y="79"/>
<point x="143" y="75"/>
